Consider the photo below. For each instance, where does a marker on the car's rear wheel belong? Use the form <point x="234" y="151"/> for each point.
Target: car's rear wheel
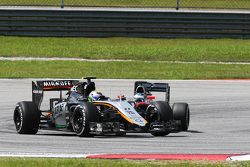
<point x="181" y="112"/>
<point x="26" y="117"/>
<point x="81" y="118"/>
<point x="161" y="112"/>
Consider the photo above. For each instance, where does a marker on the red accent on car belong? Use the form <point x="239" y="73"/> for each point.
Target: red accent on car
<point x="139" y="104"/>
<point x="56" y="87"/>
<point x="150" y="97"/>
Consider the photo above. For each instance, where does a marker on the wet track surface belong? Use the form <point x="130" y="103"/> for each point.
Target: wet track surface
<point x="220" y="122"/>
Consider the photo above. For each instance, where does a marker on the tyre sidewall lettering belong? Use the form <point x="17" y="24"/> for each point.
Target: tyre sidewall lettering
<point x="81" y="109"/>
<point x="83" y="119"/>
<point x="20" y="111"/>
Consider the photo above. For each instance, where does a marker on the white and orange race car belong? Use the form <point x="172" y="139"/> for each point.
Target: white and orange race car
<point x="89" y="113"/>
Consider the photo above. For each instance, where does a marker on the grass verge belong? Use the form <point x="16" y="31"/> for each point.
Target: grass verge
<point x="56" y="162"/>
<point x="143" y="3"/>
<point x="227" y="50"/>
<point x="126" y="70"/>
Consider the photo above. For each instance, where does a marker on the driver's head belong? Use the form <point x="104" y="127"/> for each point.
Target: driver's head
<point x="139" y="97"/>
<point x="93" y="96"/>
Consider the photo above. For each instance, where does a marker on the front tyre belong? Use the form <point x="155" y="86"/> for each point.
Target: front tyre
<point x="163" y="113"/>
<point x="181" y="112"/>
<point x="81" y="118"/>
<point x="26" y="117"/>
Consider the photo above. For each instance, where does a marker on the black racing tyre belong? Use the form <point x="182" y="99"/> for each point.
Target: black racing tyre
<point x="26" y="117"/>
<point x="164" y="111"/>
<point x="160" y="133"/>
<point x="164" y="114"/>
<point x="181" y="112"/>
<point x="81" y="118"/>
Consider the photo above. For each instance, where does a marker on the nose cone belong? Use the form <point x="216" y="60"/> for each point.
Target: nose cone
<point x="140" y="121"/>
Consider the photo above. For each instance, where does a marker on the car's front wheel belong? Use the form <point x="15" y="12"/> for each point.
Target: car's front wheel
<point x="160" y="112"/>
<point x="82" y="116"/>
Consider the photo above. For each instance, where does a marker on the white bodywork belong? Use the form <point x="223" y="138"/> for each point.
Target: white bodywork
<point x="127" y="111"/>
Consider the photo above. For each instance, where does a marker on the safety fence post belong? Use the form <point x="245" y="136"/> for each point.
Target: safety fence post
<point x="177" y="4"/>
<point x="62" y="3"/>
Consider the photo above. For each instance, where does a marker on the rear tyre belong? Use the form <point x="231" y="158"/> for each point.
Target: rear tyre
<point x="181" y="112"/>
<point x="26" y="117"/>
<point x="163" y="113"/>
<point x="81" y="118"/>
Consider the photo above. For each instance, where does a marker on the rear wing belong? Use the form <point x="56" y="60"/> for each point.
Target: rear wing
<point x="38" y="88"/>
<point x="147" y="88"/>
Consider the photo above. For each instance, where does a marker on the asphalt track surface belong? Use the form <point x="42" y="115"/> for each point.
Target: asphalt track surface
<point x="220" y="122"/>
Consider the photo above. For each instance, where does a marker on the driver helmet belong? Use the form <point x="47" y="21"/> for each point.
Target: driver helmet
<point x="93" y="96"/>
<point x="139" y="97"/>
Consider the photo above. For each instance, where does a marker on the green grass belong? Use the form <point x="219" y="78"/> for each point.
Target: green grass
<point x="145" y="3"/>
<point x="224" y="4"/>
<point x="136" y="69"/>
<point x="63" y="162"/>
<point x="156" y="50"/>
<point x="228" y="50"/>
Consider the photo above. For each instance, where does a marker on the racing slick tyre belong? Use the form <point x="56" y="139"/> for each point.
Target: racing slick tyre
<point x="164" y="114"/>
<point x="181" y="112"/>
<point x="82" y="116"/>
<point x="26" y="117"/>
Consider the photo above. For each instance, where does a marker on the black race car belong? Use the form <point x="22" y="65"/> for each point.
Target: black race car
<point x="88" y="116"/>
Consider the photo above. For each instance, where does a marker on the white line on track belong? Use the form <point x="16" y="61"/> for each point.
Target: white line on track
<point x="50" y="155"/>
<point x="114" y="60"/>
<point x="239" y="158"/>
